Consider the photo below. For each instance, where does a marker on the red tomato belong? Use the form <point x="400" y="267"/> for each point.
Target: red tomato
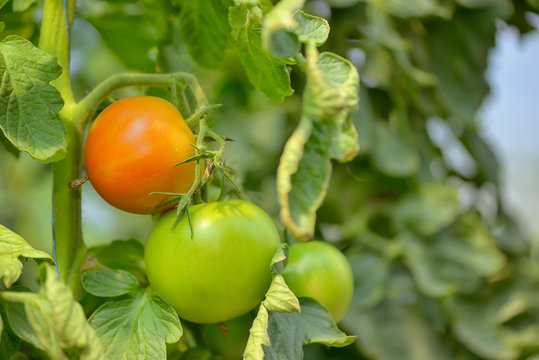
<point x="131" y="150"/>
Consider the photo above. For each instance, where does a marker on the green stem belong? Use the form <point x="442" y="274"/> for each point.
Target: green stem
<point x="70" y="248"/>
<point x="54" y="40"/>
<point x="87" y="106"/>
<point x="67" y="229"/>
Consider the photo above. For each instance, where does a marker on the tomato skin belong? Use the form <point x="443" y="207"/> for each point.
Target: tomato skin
<point x="223" y="271"/>
<point x="231" y="346"/>
<point x="131" y="149"/>
<point x="319" y="270"/>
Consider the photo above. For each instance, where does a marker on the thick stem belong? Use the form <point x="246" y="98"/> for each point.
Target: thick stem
<point x="70" y="248"/>
<point x="54" y="40"/>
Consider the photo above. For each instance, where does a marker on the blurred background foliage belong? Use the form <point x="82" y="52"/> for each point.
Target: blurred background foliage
<point x="442" y="269"/>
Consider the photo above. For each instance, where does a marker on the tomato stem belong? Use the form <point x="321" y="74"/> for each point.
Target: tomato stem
<point x="86" y="108"/>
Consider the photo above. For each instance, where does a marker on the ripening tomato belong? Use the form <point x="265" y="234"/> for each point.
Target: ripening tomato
<point x="319" y="270"/>
<point x="228" y="339"/>
<point x="219" y="267"/>
<point x="131" y="150"/>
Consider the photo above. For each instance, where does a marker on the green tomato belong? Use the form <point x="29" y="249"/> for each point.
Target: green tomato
<point x="228" y="339"/>
<point x="219" y="267"/>
<point x="319" y="270"/>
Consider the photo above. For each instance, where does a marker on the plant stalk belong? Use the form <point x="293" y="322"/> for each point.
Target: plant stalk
<point x="67" y="229"/>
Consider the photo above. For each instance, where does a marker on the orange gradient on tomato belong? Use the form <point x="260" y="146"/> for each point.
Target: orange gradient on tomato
<point x="131" y="150"/>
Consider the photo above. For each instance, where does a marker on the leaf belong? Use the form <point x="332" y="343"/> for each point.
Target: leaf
<point x="476" y="328"/>
<point x="279" y="258"/>
<point x="279" y="298"/>
<point x="258" y="336"/>
<point x="454" y="260"/>
<point x="266" y="73"/>
<point x="393" y="155"/>
<point x="29" y="105"/>
<point x="18" y="321"/>
<point x="12" y="246"/>
<point x="503" y="8"/>
<point x="120" y="254"/>
<point x="459" y="53"/>
<point x="311" y="27"/>
<point x="417" y="8"/>
<point x="205" y="29"/>
<point x="141" y="325"/>
<point x="109" y="283"/>
<point x="22" y="5"/>
<point x="58" y="322"/>
<point x="6" y="143"/>
<point x="132" y="48"/>
<point x="489" y="168"/>
<point x="278" y="31"/>
<point x="324" y="132"/>
<point x="435" y="205"/>
<point x="288" y="332"/>
<point x="9" y="341"/>
<point x="395" y="331"/>
<point x="371" y="273"/>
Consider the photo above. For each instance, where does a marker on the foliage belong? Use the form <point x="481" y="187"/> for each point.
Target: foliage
<point x="334" y="107"/>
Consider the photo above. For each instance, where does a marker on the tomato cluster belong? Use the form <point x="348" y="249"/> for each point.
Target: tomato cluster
<point x="212" y="265"/>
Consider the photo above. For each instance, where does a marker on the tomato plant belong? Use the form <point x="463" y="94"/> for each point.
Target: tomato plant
<point x="215" y="264"/>
<point x="229" y="338"/>
<point x="319" y="270"/>
<point x="441" y="269"/>
<point x="131" y="151"/>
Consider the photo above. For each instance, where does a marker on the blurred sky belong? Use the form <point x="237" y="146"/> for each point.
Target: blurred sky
<point x="510" y="119"/>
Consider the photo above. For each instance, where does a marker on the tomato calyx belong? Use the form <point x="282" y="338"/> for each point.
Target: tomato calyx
<point x="214" y="161"/>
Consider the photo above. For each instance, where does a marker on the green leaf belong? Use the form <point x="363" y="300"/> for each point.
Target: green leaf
<point x="141" y="325"/>
<point x="29" y="105"/>
<point x="58" y="322"/>
<point x="289" y="332"/>
<point x="279" y="258"/>
<point x="22" y="5"/>
<point x="6" y="143"/>
<point x="205" y="29"/>
<point x="9" y="341"/>
<point x="266" y="73"/>
<point x="416" y="8"/>
<point x="121" y="255"/>
<point x="109" y="283"/>
<point x="489" y="168"/>
<point x="476" y="328"/>
<point x="503" y="8"/>
<point x="434" y="206"/>
<point x="303" y="178"/>
<point x="311" y="27"/>
<point x="395" y="331"/>
<point x="454" y="260"/>
<point x="258" y="336"/>
<point x="279" y="298"/>
<point x="371" y="273"/>
<point x="459" y="53"/>
<point x="278" y="32"/>
<point x="132" y="48"/>
<point x="325" y="131"/>
<point x="18" y="321"/>
<point x="12" y="246"/>
<point x="393" y="155"/>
